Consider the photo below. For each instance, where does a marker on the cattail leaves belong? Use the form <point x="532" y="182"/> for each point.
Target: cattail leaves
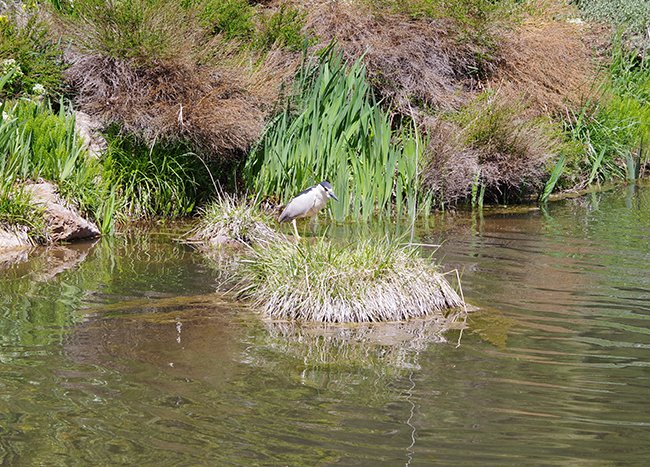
<point x="334" y="130"/>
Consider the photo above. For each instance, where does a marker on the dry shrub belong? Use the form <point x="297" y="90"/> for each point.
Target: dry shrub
<point x="413" y="62"/>
<point x="451" y="166"/>
<point x="548" y="62"/>
<point x="219" y="107"/>
<point x="491" y="142"/>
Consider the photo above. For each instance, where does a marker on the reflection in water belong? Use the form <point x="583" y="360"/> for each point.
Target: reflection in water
<point x="387" y="347"/>
<point x="45" y="262"/>
<point x="9" y="258"/>
<point x="182" y="336"/>
<point x="121" y="353"/>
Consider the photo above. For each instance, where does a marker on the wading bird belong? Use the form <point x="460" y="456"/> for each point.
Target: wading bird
<point x="307" y="204"/>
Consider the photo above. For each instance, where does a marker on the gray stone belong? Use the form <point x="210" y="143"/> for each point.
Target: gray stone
<point x="13" y="238"/>
<point x="64" y="223"/>
<point x="89" y="130"/>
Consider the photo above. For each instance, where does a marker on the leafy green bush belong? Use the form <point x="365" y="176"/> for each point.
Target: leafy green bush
<point x="37" y="59"/>
<point x="283" y="28"/>
<point x="614" y="127"/>
<point x="255" y="27"/>
<point x="634" y="14"/>
<point x="629" y="73"/>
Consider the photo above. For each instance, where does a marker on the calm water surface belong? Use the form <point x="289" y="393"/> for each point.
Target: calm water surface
<point x="121" y="353"/>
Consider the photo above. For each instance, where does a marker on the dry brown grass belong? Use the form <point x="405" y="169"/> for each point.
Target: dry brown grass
<point x="220" y="109"/>
<point x="494" y="142"/>
<point x="413" y="63"/>
<point x="548" y="62"/>
<point x="451" y="165"/>
<point x="152" y="69"/>
<point x="540" y="66"/>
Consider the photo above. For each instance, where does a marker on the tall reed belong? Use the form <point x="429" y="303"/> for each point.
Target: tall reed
<point x="149" y="181"/>
<point x="333" y="129"/>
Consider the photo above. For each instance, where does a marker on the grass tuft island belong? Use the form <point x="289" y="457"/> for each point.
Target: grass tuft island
<point x="368" y="281"/>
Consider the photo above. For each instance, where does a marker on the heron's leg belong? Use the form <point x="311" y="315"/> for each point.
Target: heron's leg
<point x="313" y="224"/>
<point x="295" y="228"/>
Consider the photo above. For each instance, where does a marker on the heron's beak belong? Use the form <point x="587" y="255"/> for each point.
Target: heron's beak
<point x="332" y="195"/>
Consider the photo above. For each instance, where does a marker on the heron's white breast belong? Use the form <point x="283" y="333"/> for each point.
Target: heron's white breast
<point x="320" y="200"/>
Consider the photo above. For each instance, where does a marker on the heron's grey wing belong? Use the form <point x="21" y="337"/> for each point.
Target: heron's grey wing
<point x="298" y="207"/>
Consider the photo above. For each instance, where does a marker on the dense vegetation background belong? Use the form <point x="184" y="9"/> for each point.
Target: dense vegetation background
<point x="403" y="105"/>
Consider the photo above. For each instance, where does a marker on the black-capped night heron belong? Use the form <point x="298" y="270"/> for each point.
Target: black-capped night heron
<point x="307" y="204"/>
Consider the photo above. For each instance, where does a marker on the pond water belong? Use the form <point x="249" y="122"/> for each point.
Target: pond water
<point x="120" y="352"/>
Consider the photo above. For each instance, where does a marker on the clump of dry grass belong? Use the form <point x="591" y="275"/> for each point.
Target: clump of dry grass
<point x="428" y="67"/>
<point x="219" y="109"/>
<point x="229" y="220"/>
<point x="451" y="166"/>
<point x="155" y="70"/>
<point x="366" y="282"/>
<point x="414" y="62"/>
<point x="491" y="143"/>
<point x="548" y="62"/>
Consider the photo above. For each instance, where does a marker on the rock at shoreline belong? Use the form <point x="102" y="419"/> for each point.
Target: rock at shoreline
<point x="13" y="238"/>
<point x="88" y="129"/>
<point x="64" y="223"/>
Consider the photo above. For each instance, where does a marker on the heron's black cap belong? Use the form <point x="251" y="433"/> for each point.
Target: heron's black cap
<point x="326" y="184"/>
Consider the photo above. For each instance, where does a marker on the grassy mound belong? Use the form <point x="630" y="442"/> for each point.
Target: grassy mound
<point x="366" y="282"/>
<point x="230" y="221"/>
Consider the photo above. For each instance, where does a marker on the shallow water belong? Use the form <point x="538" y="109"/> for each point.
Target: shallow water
<point x="120" y="353"/>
